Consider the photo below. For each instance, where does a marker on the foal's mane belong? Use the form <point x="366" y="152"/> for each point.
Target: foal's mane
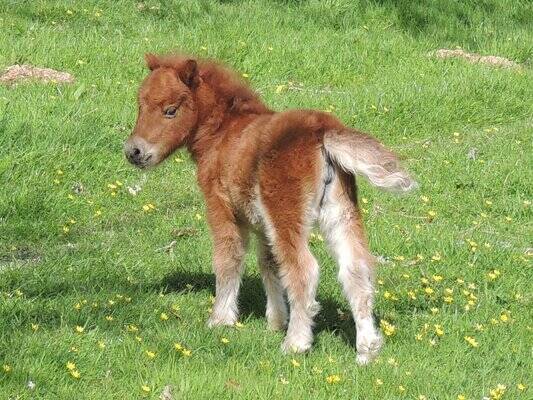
<point x="228" y="86"/>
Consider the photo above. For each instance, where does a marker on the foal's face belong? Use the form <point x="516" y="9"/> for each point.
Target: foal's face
<point x="167" y="113"/>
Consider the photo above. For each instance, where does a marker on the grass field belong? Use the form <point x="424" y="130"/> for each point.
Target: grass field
<point x="84" y="278"/>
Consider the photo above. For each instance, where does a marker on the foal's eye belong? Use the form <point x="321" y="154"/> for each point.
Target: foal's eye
<point x="170" y="112"/>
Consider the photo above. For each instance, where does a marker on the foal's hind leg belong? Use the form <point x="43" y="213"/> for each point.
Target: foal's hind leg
<point x="341" y="223"/>
<point x="299" y="275"/>
<point x="276" y="308"/>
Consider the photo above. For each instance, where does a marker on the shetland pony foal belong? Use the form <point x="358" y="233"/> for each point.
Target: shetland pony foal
<point x="274" y="174"/>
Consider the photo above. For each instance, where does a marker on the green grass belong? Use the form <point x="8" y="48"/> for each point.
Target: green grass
<point x="368" y="62"/>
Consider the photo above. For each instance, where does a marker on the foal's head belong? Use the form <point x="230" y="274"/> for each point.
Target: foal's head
<point x="167" y="110"/>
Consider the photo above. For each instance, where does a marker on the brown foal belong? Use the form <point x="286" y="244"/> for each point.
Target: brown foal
<point x="274" y="174"/>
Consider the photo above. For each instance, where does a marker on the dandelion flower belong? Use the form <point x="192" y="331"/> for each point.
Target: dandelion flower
<point x="79" y="329"/>
<point x="35" y="327"/>
<point x="109" y="318"/>
<point x="295" y="363"/>
<point x="461" y="397"/>
<point x="71" y="366"/>
<point x="378" y="382"/>
<point x="186" y="352"/>
<point x="401" y="388"/>
<point x="498" y="392"/>
<point x="224" y="340"/>
<point x="439" y="331"/>
<point x="150" y="354"/>
<point x="7" y="368"/>
<point x="471" y="341"/>
<point x="163" y="316"/>
<point x="388" y="328"/>
<point x="521" y="387"/>
<point x="146" y="389"/>
<point x="331" y="379"/>
<point x="75" y="374"/>
<point x="101" y="344"/>
<point x="504" y="317"/>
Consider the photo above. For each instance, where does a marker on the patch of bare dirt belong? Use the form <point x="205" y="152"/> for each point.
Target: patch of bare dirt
<point x="474" y="58"/>
<point x="16" y="73"/>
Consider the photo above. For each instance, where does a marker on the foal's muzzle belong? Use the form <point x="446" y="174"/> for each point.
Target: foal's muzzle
<point x="137" y="152"/>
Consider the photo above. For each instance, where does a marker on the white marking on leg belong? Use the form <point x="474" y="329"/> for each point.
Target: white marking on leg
<point x="301" y="283"/>
<point x="355" y="273"/>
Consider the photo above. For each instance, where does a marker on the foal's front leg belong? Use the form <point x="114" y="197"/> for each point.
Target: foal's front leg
<point x="229" y="242"/>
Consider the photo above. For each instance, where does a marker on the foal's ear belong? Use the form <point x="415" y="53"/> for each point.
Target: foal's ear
<point x="189" y="74"/>
<point x="152" y="61"/>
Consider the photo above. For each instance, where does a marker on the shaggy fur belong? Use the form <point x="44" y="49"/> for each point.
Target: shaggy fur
<point x="274" y="174"/>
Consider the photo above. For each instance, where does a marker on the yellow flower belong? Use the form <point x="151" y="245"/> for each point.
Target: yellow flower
<point x="388" y="328"/>
<point x="448" y="299"/>
<point x="146" y="388"/>
<point x="79" y="329"/>
<point x="494" y="274"/>
<point x="178" y="346"/>
<point x="437" y="278"/>
<point x="436" y="256"/>
<point x="71" y="366"/>
<point x="461" y="397"/>
<point x="224" y="340"/>
<point x="521" y="387"/>
<point x="198" y="216"/>
<point x="163" y="317"/>
<point x="401" y="388"/>
<point x="7" y="368"/>
<point x="333" y="379"/>
<point x="109" y="318"/>
<point x="66" y="229"/>
<point x="434" y="310"/>
<point x="498" y="392"/>
<point x="438" y="330"/>
<point x="101" y="344"/>
<point x="239" y="325"/>
<point x="429" y="290"/>
<point x="432" y="213"/>
<point x="132" y="328"/>
<point x="281" y="88"/>
<point x="425" y="199"/>
<point x="422" y="397"/>
<point x="245" y="75"/>
<point x="186" y="352"/>
<point x="379" y="382"/>
<point x="471" y="341"/>
<point x="295" y="363"/>
<point x="34" y="327"/>
<point x="504" y="317"/>
<point x="75" y="374"/>
<point x="150" y="354"/>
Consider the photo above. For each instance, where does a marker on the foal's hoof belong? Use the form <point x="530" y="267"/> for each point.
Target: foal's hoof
<point x="368" y="348"/>
<point x="290" y="346"/>
<point x="225" y="320"/>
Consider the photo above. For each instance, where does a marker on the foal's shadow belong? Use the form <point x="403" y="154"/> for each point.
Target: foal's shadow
<point x="252" y="302"/>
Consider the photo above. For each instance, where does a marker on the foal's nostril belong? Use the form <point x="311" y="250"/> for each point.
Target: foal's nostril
<point x="135" y="151"/>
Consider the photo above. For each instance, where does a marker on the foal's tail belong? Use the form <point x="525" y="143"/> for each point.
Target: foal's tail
<point x="358" y="153"/>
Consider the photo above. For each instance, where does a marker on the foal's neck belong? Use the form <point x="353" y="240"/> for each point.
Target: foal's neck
<point x="216" y="112"/>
